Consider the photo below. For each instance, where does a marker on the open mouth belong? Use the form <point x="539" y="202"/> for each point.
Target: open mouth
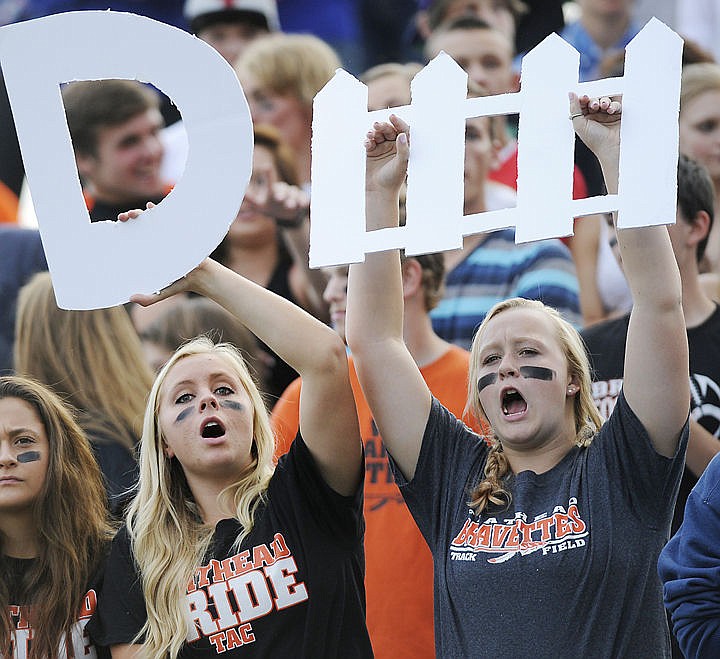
<point x="212" y="430"/>
<point x="513" y="403"/>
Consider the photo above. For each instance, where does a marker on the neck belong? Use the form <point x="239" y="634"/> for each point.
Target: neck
<point x="206" y="497"/>
<point x="424" y="345"/>
<point x="19" y="536"/>
<point x="538" y="459"/>
<point x="697" y="306"/>
<point x="605" y="29"/>
<point x="256" y="263"/>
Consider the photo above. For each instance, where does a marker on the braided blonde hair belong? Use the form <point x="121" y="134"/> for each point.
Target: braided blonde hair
<point x="491" y="490"/>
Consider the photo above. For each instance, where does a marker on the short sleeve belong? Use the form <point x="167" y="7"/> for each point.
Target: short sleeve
<point x="450" y="454"/>
<point x="299" y="486"/>
<point x="647" y="479"/>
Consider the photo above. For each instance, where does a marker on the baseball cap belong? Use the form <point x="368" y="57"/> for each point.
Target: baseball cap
<point x="203" y="13"/>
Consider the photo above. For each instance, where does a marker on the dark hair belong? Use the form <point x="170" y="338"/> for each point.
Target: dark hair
<point x="464" y="23"/>
<point x="437" y="11"/>
<point x="94" y="104"/>
<point x="695" y="193"/>
<point x="433" y="277"/>
<point x="248" y="17"/>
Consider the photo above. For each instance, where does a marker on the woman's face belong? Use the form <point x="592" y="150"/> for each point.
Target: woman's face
<point x="524" y="385"/>
<point x="286" y="113"/>
<point x="24" y="455"/>
<point x="700" y="131"/>
<point x="479" y="158"/>
<point x="388" y="91"/>
<point x="206" y="418"/>
<point x="252" y="226"/>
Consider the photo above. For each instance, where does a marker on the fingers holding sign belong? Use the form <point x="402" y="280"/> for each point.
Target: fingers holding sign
<point x="387" y="149"/>
<point x="597" y="122"/>
<point x="134" y="213"/>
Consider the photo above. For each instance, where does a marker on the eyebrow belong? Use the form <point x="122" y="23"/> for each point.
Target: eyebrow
<point x="23" y="431"/>
<point x="519" y="340"/>
<point x="213" y="376"/>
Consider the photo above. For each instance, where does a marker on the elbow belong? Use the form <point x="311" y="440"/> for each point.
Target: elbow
<point x="333" y="359"/>
<point x="700" y="640"/>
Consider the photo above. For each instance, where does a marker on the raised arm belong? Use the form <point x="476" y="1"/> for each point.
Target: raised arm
<point x="397" y="394"/>
<point x="656" y="355"/>
<point x="328" y="420"/>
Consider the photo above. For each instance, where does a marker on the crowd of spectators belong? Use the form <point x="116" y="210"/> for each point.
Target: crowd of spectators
<point x="130" y="148"/>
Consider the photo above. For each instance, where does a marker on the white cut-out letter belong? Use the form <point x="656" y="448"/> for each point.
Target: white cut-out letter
<point x="102" y="264"/>
<point x="545" y="207"/>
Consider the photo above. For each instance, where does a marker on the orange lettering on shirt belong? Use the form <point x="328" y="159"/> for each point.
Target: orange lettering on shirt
<point x="262" y="556"/>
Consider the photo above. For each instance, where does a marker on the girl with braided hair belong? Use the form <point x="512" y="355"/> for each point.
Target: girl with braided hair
<point x="562" y="516"/>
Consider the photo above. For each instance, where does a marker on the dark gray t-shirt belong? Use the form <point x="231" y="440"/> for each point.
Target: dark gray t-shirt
<point x="569" y="569"/>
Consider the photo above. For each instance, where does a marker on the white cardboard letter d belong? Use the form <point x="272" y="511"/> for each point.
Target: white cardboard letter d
<point x="102" y="264"/>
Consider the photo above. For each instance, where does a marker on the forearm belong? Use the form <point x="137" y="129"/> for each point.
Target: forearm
<point x="293" y="334"/>
<point x="656" y="355"/>
<point x="375" y="297"/>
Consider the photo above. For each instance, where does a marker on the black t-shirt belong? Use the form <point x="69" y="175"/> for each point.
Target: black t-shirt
<point x="22" y="642"/>
<point x="293" y="589"/>
<point x="100" y="211"/>
<point x="606" y="348"/>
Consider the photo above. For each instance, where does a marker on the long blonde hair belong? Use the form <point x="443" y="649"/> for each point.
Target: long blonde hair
<point x="92" y="359"/>
<point x="71" y="525"/>
<point x="587" y="418"/>
<point x="168" y="537"/>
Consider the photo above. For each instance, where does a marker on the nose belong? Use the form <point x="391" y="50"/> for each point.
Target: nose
<point x="507" y="368"/>
<point x="477" y="73"/>
<point x="7" y="455"/>
<point x="154" y="146"/>
<point x="253" y="196"/>
<point x="208" y="401"/>
<point x="334" y="291"/>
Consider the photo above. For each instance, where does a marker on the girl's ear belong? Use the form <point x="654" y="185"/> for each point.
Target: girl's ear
<point x="573" y="385"/>
<point x="411" y="277"/>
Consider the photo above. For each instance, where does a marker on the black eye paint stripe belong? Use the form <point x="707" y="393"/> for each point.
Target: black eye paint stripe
<point x="184" y="414"/>
<point x="486" y="381"/>
<point x="537" y="372"/>
<point x="28" y="456"/>
<point x="231" y="404"/>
